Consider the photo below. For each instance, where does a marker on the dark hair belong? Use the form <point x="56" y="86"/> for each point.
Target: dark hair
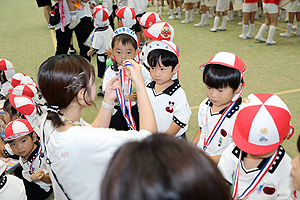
<point x="298" y="144"/>
<point x="60" y="78"/>
<point x="167" y="58"/>
<point x="7" y="107"/>
<point x="219" y="76"/>
<point x="3" y="79"/>
<point x="162" y="167"/>
<point x="124" y="39"/>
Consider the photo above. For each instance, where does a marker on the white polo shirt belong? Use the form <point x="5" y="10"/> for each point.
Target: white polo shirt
<point x="11" y="187"/>
<point x="170" y="106"/>
<point x="207" y="121"/>
<point x="276" y="184"/>
<point x="102" y="37"/>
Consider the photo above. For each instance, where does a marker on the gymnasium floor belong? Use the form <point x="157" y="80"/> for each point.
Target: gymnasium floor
<point x="26" y="42"/>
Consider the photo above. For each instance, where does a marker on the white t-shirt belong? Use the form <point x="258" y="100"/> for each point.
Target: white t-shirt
<point x="170" y="106"/>
<point x="12" y="188"/>
<point x="207" y="121"/>
<point x="109" y="5"/>
<point x="139" y="6"/>
<point x="276" y="184"/>
<point x="102" y="39"/>
<point x="80" y="156"/>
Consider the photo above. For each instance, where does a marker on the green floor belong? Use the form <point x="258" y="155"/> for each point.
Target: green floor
<point x="26" y="42"/>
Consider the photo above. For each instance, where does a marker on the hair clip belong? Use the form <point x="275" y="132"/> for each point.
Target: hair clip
<point x="73" y="86"/>
<point x="79" y="75"/>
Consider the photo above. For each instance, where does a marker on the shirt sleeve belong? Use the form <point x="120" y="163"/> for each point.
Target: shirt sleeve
<point x="227" y="163"/>
<point x="182" y="111"/>
<point x="202" y="114"/>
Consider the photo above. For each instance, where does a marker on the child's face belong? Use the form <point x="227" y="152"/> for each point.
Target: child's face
<point x="162" y="74"/>
<point x="295" y="172"/>
<point x="220" y="98"/>
<point x="124" y="52"/>
<point x="6" y="117"/>
<point x="23" y="146"/>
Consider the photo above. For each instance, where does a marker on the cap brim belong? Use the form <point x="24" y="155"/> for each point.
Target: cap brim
<point x="139" y="18"/>
<point x="249" y="148"/>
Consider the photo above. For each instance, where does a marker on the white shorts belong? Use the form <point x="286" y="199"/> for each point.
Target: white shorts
<point x="222" y="5"/>
<point x="191" y="1"/>
<point x="270" y="8"/>
<point x="249" y="7"/>
<point x="202" y="3"/>
<point x="295" y="10"/>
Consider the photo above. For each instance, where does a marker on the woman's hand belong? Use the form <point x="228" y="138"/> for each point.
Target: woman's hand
<point x="110" y="90"/>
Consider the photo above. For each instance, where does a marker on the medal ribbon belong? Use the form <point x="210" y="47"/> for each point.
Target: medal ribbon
<point x="126" y="110"/>
<point x="217" y="126"/>
<point x="33" y="159"/>
<point x="255" y="181"/>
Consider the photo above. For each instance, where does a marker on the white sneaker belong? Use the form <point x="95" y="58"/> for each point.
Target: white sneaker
<point x="271" y="42"/>
<point x="249" y="36"/>
<point x="199" y="24"/>
<point x="171" y="17"/>
<point x="285" y="34"/>
<point x="178" y="17"/>
<point x="260" y="39"/>
<point x="74" y="23"/>
<point x="185" y="21"/>
<point x="211" y="16"/>
<point x="243" y="36"/>
<point x="297" y="34"/>
<point x="50" y="26"/>
<point x="294" y="27"/>
<point x="213" y="30"/>
<point x="240" y="23"/>
<point x="197" y="12"/>
<point x="221" y="28"/>
<point x="191" y="20"/>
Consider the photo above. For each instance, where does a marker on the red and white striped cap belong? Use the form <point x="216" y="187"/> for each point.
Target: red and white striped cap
<point x="25" y="105"/>
<point x="25" y="90"/>
<point x="164" y="45"/>
<point x="160" y="31"/>
<point x="17" y="128"/>
<point x="8" y="68"/>
<point x="28" y="80"/>
<point x="127" y="15"/>
<point x="148" y="19"/>
<point x="262" y="124"/>
<point x="100" y="16"/>
<point x="16" y="79"/>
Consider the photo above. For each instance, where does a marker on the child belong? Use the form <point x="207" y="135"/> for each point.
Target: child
<point x="295" y="172"/>
<point x="292" y="13"/>
<point x="204" y="16"/>
<point x="11" y="187"/>
<point x="78" y="152"/>
<point x="222" y="7"/>
<point x="124" y="47"/>
<point x="168" y="100"/>
<point x="256" y="165"/>
<point x="126" y="17"/>
<point x="6" y="73"/>
<point x="23" y="142"/>
<point x="10" y="114"/>
<point x="223" y="77"/>
<point x="101" y="38"/>
<point x="189" y="11"/>
<point x="249" y="11"/>
<point x="149" y="18"/>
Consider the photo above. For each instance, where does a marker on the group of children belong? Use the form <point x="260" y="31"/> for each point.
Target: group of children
<point x="140" y="93"/>
<point x="251" y="10"/>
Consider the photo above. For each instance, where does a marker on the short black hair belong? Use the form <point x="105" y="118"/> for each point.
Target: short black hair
<point x="220" y="76"/>
<point x="167" y="58"/>
<point x="124" y="39"/>
<point x="7" y="107"/>
<point x="298" y="144"/>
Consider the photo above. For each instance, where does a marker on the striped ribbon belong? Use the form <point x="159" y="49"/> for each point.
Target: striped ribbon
<point x="33" y="159"/>
<point x="217" y="126"/>
<point x="126" y="110"/>
<point x="255" y="181"/>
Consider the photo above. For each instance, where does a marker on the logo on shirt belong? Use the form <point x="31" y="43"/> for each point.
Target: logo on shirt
<point x="170" y="107"/>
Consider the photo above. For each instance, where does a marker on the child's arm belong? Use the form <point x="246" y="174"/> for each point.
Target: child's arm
<point x="215" y="159"/>
<point x="90" y="52"/>
<point x="173" y="129"/>
<point x="2" y="145"/>
<point x="41" y="176"/>
<point x="71" y="4"/>
<point x="196" y="137"/>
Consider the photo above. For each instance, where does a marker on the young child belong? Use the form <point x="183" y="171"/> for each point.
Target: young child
<point x="295" y="172"/>
<point x="11" y="187"/>
<point x="6" y="73"/>
<point x="223" y="77"/>
<point x="124" y="47"/>
<point x="292" y="13"/>
<point x="168" y="99"/>
<point x="23" y="142"/>
<point x="255" y="164"/>
<point x="249" y="11"/>
<point x="126" y="17"/>
<point x="10" y="114"/>
<point x="222" y="7"/>
<point x="101" y="38"/>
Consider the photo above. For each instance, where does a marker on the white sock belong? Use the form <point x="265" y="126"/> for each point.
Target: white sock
<point x="178" y="11"/>
<point x="271" y="33"/>
<point x="261" y="31"/>
<point x="216" y="22"/>
<point x="156" y="4"/>
<point x="298" y="27"/>
<point x="245" y="29"/>
<point x="187" y="14"/>
<point x="172" y="12"/>
<point x="203" y="17"/>
<point x="289" y="28"/>
<point x="206" y="17"/>
<point x="161" y="10"/>
<point x="192" y="15"/>
<point x="251" y="28"/>
<point x="224" y="21"/>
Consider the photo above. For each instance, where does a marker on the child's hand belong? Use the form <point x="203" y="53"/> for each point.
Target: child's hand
<point x="90" y="52"/>
<point x="37" y="176"/>
<point x="110" y="90"/>
<point x="109" y="52"/>
<point x="133" y="96"/>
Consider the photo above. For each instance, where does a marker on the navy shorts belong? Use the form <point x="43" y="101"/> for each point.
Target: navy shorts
<point x="42" y="3"/>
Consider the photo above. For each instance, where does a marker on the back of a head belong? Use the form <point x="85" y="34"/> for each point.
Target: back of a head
<point x="162" y="167"/>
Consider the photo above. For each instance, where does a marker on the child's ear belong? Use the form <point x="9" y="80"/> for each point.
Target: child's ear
<point x="239" y="88"/>
<point x="176" y="68"/>
<point x="136" y="52"/>
<point x="34" y="137"/>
